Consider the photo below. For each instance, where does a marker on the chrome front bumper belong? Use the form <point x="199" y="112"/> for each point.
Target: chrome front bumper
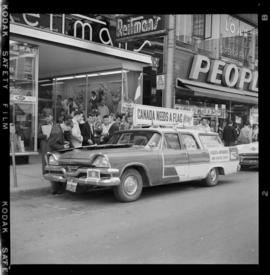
<point x="54" y="175"/>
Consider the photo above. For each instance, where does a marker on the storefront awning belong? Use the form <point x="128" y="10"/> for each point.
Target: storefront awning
<point x="220" y="93"/>
<point x="60" y="55"/>
<point x="198" y="91"/>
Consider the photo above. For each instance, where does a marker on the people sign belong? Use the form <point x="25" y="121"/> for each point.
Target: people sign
<point x="151" y="115"/>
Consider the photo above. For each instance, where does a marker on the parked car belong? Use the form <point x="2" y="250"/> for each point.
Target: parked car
<point x="249" y="155"/>
<point x="142" y="157"/>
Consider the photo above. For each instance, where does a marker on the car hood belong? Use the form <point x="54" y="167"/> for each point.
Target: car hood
<point x="251" y="148"/>
<point x="89" y="153"/>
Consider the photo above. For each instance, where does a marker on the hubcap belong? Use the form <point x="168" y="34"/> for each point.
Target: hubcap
<point x="213" y="175"/>
<point x="130" y="185"/>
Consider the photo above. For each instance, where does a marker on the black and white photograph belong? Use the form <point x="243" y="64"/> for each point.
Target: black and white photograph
<point x="133" y="138"/>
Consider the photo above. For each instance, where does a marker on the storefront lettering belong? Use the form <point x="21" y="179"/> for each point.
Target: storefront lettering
<point x="81" y="29"/>
<point x="221" y="73"/>
<point x="126" y="27"/>
<point x="146" y="114"/>
<point x="32" y="24"/>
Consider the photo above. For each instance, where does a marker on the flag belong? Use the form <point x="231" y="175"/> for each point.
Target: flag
<point x="138" y="92"/>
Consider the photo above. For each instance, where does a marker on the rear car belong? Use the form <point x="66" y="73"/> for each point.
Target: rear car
<point x="249" y="155"/>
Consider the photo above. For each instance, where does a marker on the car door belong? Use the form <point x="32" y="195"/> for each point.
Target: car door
<point x="175" y="159"/>
<point x="198" y="158"/>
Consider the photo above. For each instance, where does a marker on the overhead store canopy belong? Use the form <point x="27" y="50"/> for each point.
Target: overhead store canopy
<point x="60" y="54"/>
<point x="214" y="91"/>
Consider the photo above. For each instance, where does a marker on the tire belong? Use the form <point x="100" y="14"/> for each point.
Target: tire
<point x="130" y="187"/>
<point x="212" y="178"/>
<point x="57" y="187"/>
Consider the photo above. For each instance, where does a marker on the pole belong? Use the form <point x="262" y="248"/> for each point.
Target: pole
<point x="170" y="49"/>
<point x="12" y="132"/>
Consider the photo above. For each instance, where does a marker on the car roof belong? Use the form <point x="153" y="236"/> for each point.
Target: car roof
<point x="170" y="130"/>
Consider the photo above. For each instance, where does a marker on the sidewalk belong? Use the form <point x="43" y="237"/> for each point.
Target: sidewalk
<point x="29" y="177"/>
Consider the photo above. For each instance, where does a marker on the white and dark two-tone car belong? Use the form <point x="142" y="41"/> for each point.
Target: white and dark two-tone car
<point x="142" y="157"/>
<point x="249" y="155"/>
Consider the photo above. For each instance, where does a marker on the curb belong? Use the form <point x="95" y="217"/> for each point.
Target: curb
<point x="30" y="191"/>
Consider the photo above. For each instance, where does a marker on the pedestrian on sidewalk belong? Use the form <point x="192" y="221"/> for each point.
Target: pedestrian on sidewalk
<point x="204" y="126"/>
<point x="87" y="130"/>
<point x="255" y="132"/>
<point x="67" y="126"/>
<point x="76" y="137"/>
<point x="44" y="131"/>
<point x="51" y="139"/>
<point x="245" y="135"/>
<point x="229" y="134"/>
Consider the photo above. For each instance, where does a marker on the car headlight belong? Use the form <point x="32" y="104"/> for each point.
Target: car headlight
<point x="53" y="160"/>
<point x="101" y="161"/>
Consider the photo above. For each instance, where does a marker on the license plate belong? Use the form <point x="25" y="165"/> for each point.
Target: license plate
<point x="71" y="186"/>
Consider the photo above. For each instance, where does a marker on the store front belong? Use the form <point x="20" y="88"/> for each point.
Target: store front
<point x="57" y="57"/>
<point x="214" y="89"/>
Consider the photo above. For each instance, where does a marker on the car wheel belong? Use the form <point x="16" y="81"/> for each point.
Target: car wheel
<point x="130" y="187"/>
<point x="212" y="177"/>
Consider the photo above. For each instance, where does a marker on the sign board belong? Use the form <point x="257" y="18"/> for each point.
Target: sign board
<point x="225" y="74"/>
<point x="160" y="81"/>
<point x="73" y="25"/>
<point x="22" y="98"/>
<point x="127" y="107"/>
<point x="217" y="155"/>
<point x="151" y="115"/>
<point x="203" y="111"/>
<point x="140" y="25"/>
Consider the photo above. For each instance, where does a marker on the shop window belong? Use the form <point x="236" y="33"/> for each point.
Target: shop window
<point x="238" y="40"/>
<point x="23" y="95"/>
<point x="194" y="31"/>
<point x="198" y="27"/>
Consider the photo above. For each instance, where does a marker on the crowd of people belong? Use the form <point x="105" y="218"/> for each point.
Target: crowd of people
<point x="231" y="134"/>
<point x="74" y="130"/>
<point x="96" y="103"/>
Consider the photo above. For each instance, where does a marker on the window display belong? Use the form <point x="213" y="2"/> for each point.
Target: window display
<point x="23" y="95"/>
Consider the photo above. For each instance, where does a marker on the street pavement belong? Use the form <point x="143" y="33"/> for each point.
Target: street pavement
<point x="173" y="224"/>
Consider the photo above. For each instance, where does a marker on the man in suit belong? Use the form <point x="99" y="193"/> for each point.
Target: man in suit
<point x="229" y="134"/>
<point x="112" y="126"/>
<point x="88" y="129"/>
<point x="51" y="139"/>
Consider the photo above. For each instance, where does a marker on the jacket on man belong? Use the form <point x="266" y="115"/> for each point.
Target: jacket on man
<point x="87" y="133"/>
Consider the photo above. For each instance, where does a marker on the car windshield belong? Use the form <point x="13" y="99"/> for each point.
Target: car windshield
<point x="210" y="141"/>
<point x="140" y="138"/>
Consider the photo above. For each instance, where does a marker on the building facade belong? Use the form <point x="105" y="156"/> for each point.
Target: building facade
<point x="54" y="57"/>
<point x="214" y="65"/>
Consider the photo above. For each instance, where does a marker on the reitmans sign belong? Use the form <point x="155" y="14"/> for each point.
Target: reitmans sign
<point x="139" y="25"/>
<point x="150" y="115"/>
